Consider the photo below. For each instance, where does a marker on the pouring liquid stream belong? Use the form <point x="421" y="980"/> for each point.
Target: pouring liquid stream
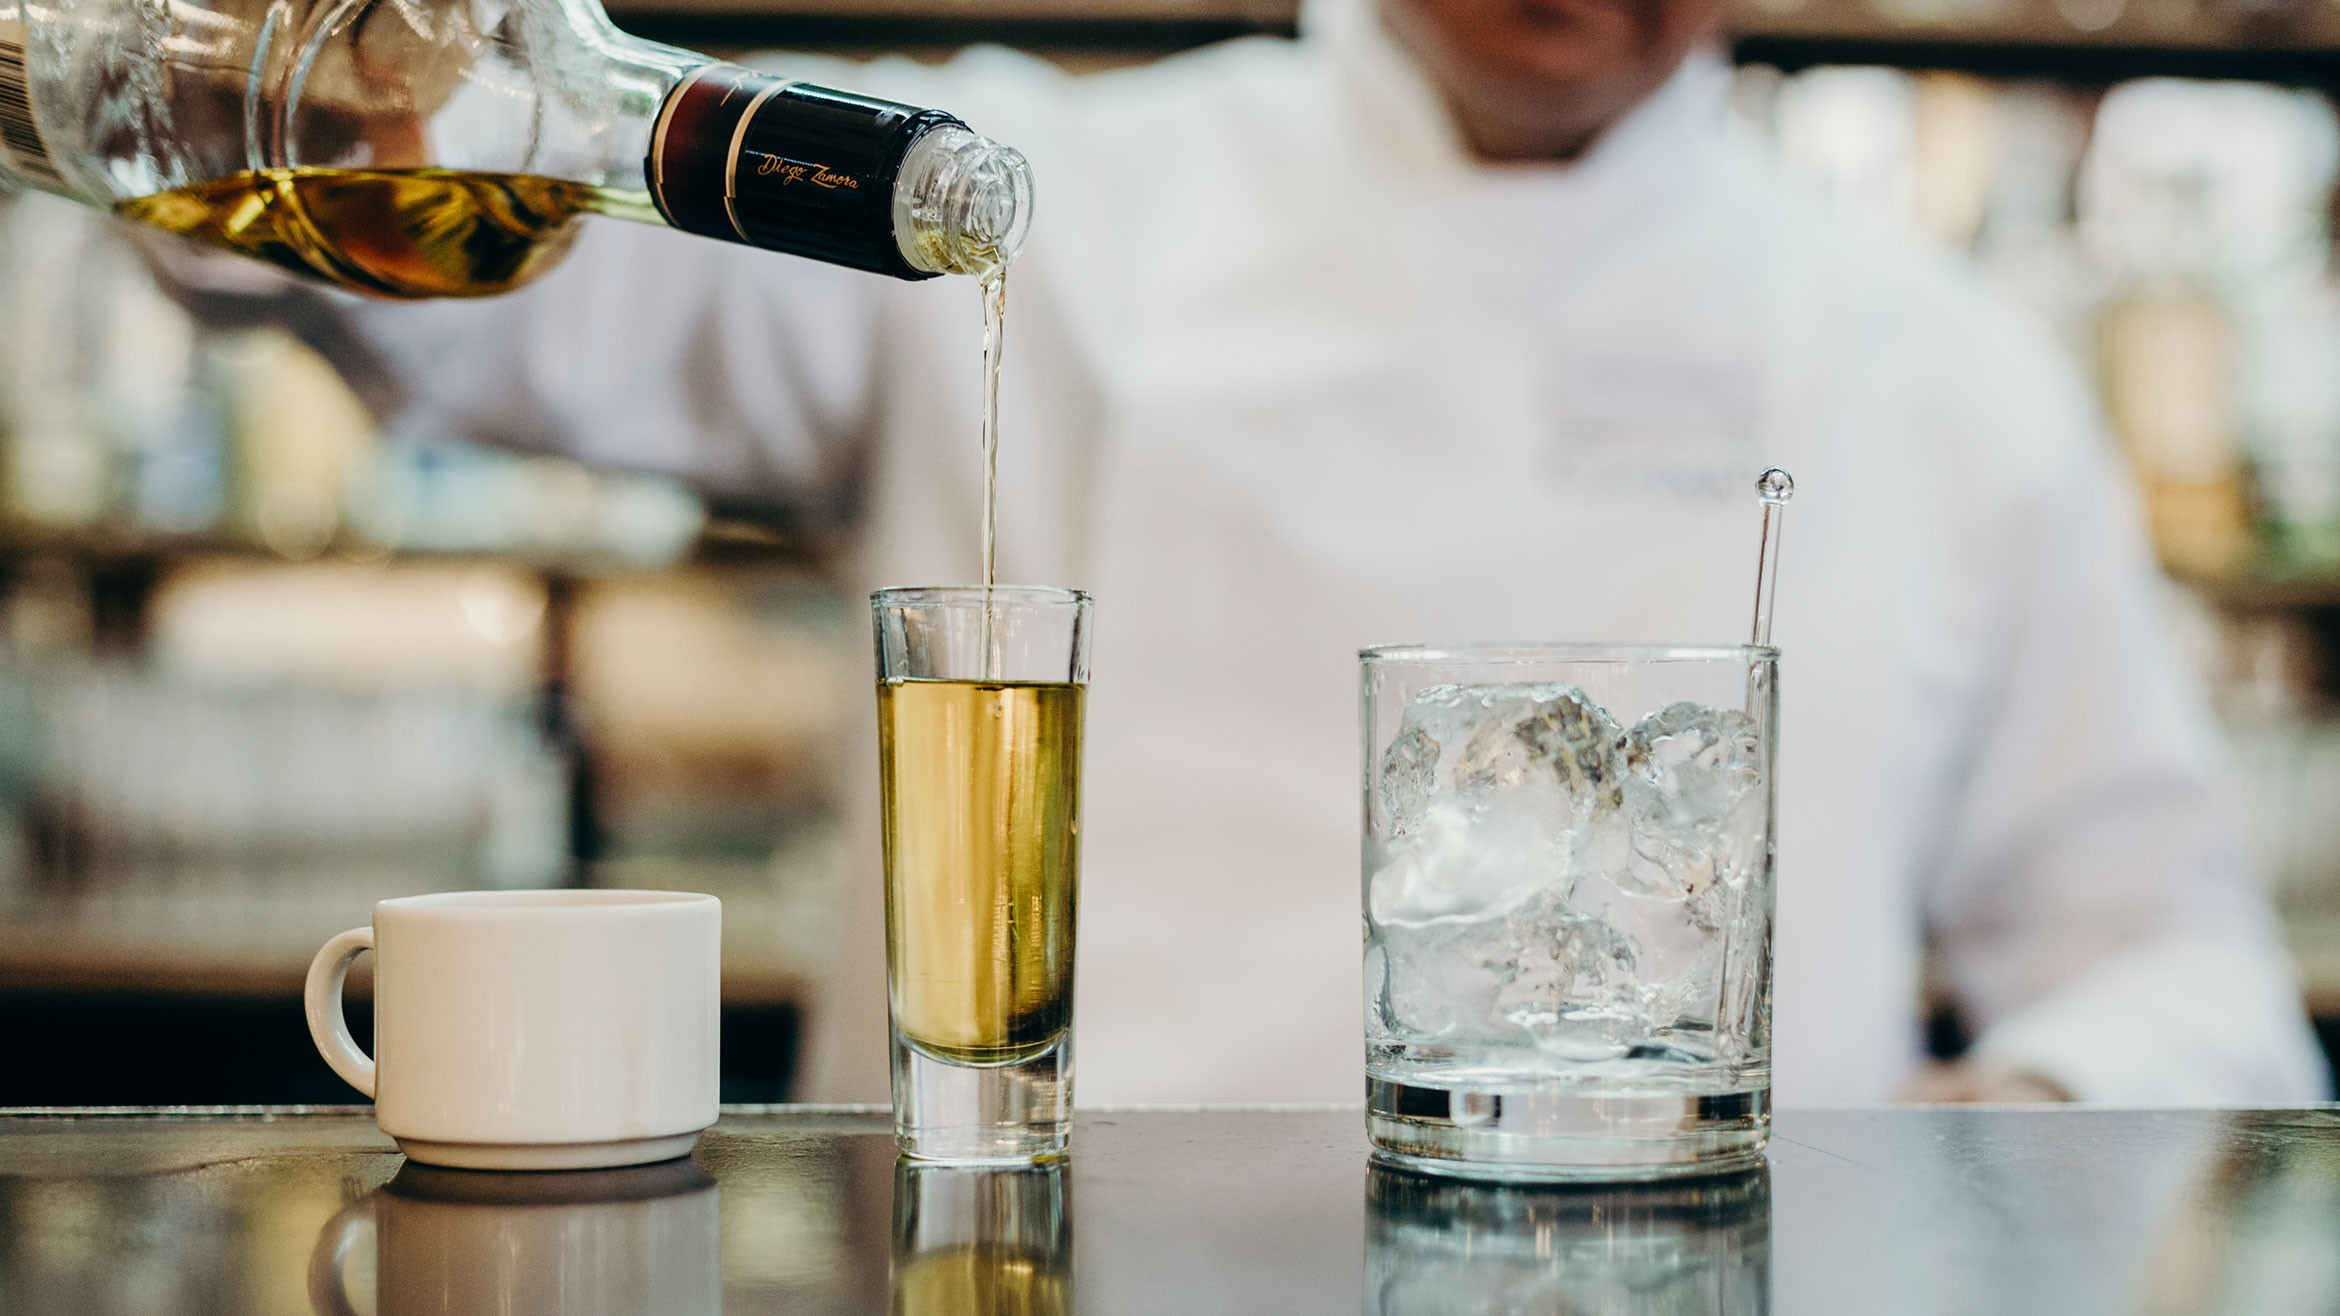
<point x="994" y="288"/>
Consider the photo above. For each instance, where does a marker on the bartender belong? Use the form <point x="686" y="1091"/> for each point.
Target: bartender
<point x="1453" y="320"/>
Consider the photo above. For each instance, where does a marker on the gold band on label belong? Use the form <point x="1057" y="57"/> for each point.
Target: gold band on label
<point x="665" y="117"/>
<point x="738" y="139"/>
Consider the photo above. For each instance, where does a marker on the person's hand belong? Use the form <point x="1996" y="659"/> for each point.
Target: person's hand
<point x="1963" y="1081"/>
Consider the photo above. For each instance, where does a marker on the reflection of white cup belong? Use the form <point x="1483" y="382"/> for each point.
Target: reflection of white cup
<point x="533" y="1030"/>
<point x="642" y="1239"/>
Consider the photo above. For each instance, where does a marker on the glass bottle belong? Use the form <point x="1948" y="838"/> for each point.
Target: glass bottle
<point x="431" y="148"/>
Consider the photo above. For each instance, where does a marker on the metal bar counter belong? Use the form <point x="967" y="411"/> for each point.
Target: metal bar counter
<point x="805" y="1209"/>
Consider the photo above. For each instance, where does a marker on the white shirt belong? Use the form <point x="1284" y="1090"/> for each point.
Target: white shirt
<point x="1288" y="374"/>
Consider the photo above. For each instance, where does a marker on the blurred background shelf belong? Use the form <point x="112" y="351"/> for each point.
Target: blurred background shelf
<point x="197" y="934"/>
<point x="2315" y="942"/>
<point x="2294" y="42"/>
<point x="186" y="983"/>
<point x="724" y="541"/>
<point x="2075" y="62"/>
<point x="2269" y="594"/>
<point x="2083" y="41"/>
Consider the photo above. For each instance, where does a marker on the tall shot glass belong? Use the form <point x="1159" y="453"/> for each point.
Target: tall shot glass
<point x="1568" y="864"/>
<point x="980" y="707"/>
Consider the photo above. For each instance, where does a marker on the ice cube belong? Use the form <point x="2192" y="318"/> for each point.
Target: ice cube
<point x="1694" y="792"/>
<point x="1528" y="733"/>
<point x="1678" y="945"/>
<point x="1700" y="759"/>
<point x="1493" y="793"/>
<point x="1443" y="978"/>
<point x="1466" y="863"/>
<point x="1575" y="987"/>
<point x="1538" y="972"/>
<point x="1409" y="773"/>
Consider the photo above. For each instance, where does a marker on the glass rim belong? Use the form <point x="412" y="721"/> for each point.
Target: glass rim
<point x="1525" y="653"/>
<point x="946" y="596"/>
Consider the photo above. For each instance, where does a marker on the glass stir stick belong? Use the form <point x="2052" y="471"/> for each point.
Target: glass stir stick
<point x="1774" y="487"/>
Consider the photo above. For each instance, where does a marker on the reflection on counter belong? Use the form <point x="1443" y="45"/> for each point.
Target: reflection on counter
<point x="1904" y="1211"/>
<point x="642" y="1239"/>
<point x="1442" y="1247"/>
<point x="993" y="1241"/>
<point x="2253" y="1235"/>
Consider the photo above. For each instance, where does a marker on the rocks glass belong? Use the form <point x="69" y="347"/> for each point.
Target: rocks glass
<point x="1568" y="907"/>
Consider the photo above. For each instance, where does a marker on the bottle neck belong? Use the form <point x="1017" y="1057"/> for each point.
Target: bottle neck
<point x="851" y="180"/>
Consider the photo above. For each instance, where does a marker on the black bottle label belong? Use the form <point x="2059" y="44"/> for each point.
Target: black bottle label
<point x="787" y="166"/>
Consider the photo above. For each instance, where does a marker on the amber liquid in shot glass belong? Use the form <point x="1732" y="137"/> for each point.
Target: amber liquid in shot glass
<point x="982" y="831"/>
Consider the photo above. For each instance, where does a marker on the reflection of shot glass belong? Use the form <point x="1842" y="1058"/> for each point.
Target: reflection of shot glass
<point x="997" y="1242"/>
<point x="1700" y="1247"/>
<point x="1568" y="897"/>
<point x="980" y="697"/>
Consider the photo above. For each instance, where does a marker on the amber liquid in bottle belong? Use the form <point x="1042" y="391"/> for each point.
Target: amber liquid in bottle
<point x="395" y="232"/>
<point x="982" y="816"/>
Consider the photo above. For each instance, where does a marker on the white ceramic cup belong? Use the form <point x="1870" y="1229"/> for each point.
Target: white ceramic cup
<point x="533" y="1030"/>
<point x="645" y="1239"/>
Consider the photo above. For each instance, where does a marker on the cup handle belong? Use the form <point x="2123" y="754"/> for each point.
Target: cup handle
<point x="328" y="1286"/>
<point x="327" y="1027"/>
